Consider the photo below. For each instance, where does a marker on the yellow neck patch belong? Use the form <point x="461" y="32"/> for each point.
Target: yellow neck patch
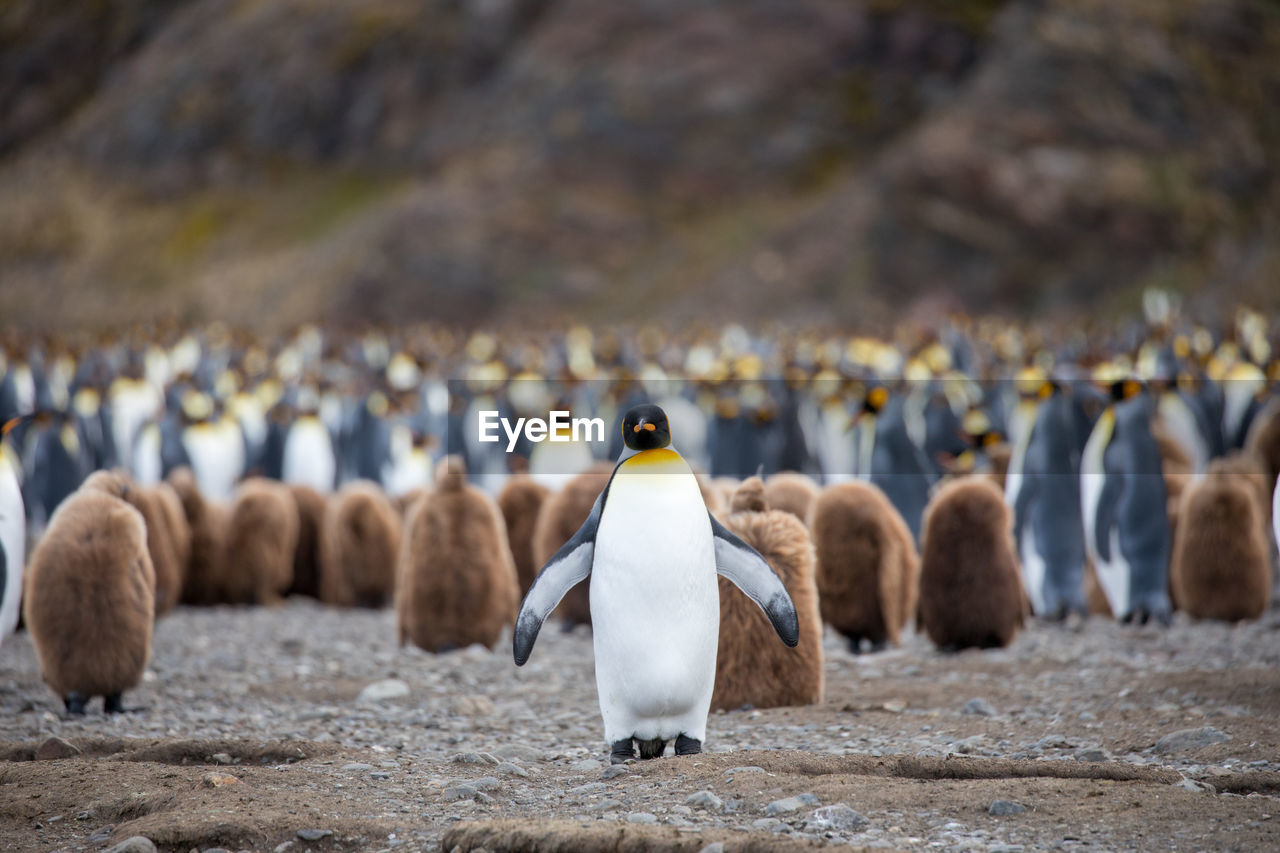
<point x="661" y="461"/>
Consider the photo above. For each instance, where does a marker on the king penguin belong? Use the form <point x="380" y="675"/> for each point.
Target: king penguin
<point x="1043" y="489"/>
<point x="652" y="551"/>
<point x="13" y="533"/>
<point x="1124" y="503"/>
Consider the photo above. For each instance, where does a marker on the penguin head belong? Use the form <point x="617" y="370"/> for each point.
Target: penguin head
<point x="646" y="428"/>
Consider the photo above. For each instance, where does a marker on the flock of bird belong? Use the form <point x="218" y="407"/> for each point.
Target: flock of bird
<point x="961" y="478"/>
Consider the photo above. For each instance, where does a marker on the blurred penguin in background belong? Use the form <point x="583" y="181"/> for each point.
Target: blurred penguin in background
<point x="790" y="492"/>
<point x="359" y="541"/>
<point x="889" y="459"/>
<point x="970" y="591"/>
<point x="311" y="507"/>
<point x="521" y="501"/>
<point x="1221" y="565"/>
<point x="262" y="538"/>
<point x="867" y="566"/>
<point x="215" y="446"/>
<point x="1125" y="506"/>
<point x="309" y="458"/>
<point x="1043" y="489"/>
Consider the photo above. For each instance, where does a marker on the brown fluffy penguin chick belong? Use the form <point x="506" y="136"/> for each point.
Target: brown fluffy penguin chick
<point x="178" y="529"/>
<point x="970" y="590"/>
<point x="867" y="564"/>
<point x="310" y="506"/>
<point x="359" y="541"/>
<point x="752" y="667"/>
<point x="456" y="580"/>
<point x="791" y="492"/>
<point x="404" y="503"/>
<point x="561" y="516"/>
<point x="160" y="545"/>
<point x="1221" y="564"/>
<point x="521" y="500"/>
<point x="208" y="522"/>
<point x="262" y="537"/>
<point x="90" y="595"/>
<point x="1263" y="442"/>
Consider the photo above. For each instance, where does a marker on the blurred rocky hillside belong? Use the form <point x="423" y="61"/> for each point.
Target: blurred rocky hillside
<point x="276" y="160"/>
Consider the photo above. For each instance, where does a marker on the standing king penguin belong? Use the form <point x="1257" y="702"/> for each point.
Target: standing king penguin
<point x="1124" y="503"/>
<point x="652" y="551"/>
<point x="13" y="535"/>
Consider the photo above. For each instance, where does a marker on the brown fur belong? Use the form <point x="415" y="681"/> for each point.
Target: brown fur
<point x="1175" y="464"/>
<point x="753" y="667"/>
<point x="710" y="495"/>
<point x="970" y="588"/>
<point x="208" y="522"/>
<point x="1263" y="442"/>
<point x="520" y="501"/>
<point x="1221" y="564"/>
<point x="160" y="545"/>
<point x="310" y="506"/>
<point x="1094" y="595"/>
<point x="90" y="592"/>
<point x="723" y="488"/>
<point x="404" y="503"/>
<point x="261" y="541"/>
<point x="867" y="563"/>
<point x="791" y="492"/>
<point x="561" y="516"/>
<point x="456" y="579"/>
<point x="179" y="532"/>
<point x="999" y="456"/>
<point x="359" y="541"/>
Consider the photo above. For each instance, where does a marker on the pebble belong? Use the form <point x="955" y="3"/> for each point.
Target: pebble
<point x="770" y="824"/>
<point x="704" y="800"/>
<point x="474" y="758"/>
<point x="713" y="847"/>
<point x="485" y="783"/>
<point x="837" y="818"/>
<point x="134" y="844"/>
<point x="520" y="752"/>
<point x="586" y="765"/>
<point x="221" y="758"/>
<point x="588" y="788"/>
<point x="380" y="775"/>
<point x="980" y="707"/>
<point x="101" y="834"/>
<point x="1000" y="808"/>
<point x="606" y="805"/>
<point x="642" y="817"/>
<point x="614" y="771"/>
<point x="314" y="834"/>
<point x="55" y="748"/>
<point x="790" y="804"/>
<point x="1092" y="754"/>
<point x="472" y="706"/>
<point x="1185" y="739"/>
<point x="380" y="691"/>
<point x="356" y="767"/>
<point x="509" y="769"/>
<point x="453" y="793"/>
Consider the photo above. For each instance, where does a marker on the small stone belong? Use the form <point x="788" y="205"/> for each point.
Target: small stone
<point x="55" y="748"/>
<point x="380" y="775"/>
<point x="1196" y="786"/>
<point x="134" y="844"/>
<point x="588" y="788"/>
<point x="1092" y="753"/>
<point x="356" y="767"/>
<point x="586" y="765"/>
<point x="314" y="834"/>
<point x="520" y="752"/>
<point x="979" y="707"/>
<point x="284" y="847"/>
<point x="221" y="758"/>
<point x="704" y="800"/>
<point x="380" y="691"/>
<point x="1088" y="716"/>
<point x="459" y="792"/>
<point x="614" y="771"/>
<point x="1185" y="739"/>
<point x="485" y="783"/>
<point x="474" y="758"/>
<point x="472" y="706"/>
<point x="1000" y="808"/>
<point x="837" y="818"/>
<point x="713" y="847"/>
<point x="642" y="817"/>
<point x="509" y="769"/>
<point x="101" y="834"/>
<point x="218" y="780"/>
<point x="606" y="805"/>
<point x="790" y="804"/>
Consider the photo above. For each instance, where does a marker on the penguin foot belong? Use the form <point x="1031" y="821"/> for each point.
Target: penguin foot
<point x="622" y="751"/>
<point x="855" y="645"/>
<point x="651" y="748"/>
<point x="76" y="703"/>
<point x="687" y="745"/>
<point x="113" y="703"/>
<point x="879" y="645"/>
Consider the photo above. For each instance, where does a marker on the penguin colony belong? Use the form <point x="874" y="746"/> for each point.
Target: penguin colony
<point x="1092" y="445"/>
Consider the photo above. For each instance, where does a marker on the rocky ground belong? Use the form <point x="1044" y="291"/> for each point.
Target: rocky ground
<point x="305" y="727"/>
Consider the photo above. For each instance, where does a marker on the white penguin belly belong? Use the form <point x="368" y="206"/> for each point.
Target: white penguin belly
<point x="13" y="531"/>
<point x="1033" y="569"/>
<point x="655" y="606"/>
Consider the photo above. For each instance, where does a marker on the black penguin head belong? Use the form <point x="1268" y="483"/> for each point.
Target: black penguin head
<point x="875" y="400"/>
<point x="646" y="428"/>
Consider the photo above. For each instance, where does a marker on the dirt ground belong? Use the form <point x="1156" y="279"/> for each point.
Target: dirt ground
<point x="257" y="732"/>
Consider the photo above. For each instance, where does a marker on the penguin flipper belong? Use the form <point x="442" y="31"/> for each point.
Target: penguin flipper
<point x="748" y="571"/>
<point x="566" y="569"/>
<point x="1105" y="516"/>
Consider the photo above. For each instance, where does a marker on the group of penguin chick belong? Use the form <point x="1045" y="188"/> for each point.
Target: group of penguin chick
<point x="456" y="561"/>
